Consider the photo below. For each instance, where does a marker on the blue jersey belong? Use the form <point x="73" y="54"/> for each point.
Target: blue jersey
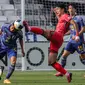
<point x="8" y="38"/>
<point x="72" y="45"/>
<point x="80" y="24"/>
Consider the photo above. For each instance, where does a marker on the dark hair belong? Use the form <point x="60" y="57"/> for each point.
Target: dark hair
<point x="61" y="5"/>
<point x="72" y="4"/>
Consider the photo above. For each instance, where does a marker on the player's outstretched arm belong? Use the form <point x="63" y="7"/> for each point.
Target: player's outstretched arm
<point x="67" y="33"/>
<point x="76" y="28"/>
<point x="0" y="31"/>
<point x="22" y="48"/>
<point x="82" y="31"/>
<point x="81" y="22"/>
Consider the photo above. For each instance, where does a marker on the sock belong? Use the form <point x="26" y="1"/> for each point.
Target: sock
<point x="36" y="30"/>
<point x="63" y="61"/>
<point x="67" y="73"/>
<point x="0" y="71"/>
<point x="10" y="71"/>
<point x="59" y="68"/>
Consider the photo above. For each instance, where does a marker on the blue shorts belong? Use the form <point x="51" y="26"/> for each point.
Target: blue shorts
<point x="77" y="46"/>
<point x="12" y="52"/>
<point x="2" y="55"/>
<point x="9" y="52"/>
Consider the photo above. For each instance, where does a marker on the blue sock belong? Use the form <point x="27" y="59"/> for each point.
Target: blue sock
<point x="63" y="61"/>
<point x="10" y="71"/>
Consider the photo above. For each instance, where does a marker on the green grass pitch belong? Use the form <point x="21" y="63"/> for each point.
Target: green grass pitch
<point x="44" y="78"/>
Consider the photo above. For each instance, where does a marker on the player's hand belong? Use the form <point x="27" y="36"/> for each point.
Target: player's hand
<point x="73" y="37"/>
<point x="23" y="53"/>
<point x="77" y="38"/>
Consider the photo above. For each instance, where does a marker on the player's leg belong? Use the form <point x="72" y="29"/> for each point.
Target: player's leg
<point x="67" y="51"/>
<point x="64" y="58"/>
<point x="81" y="50"/>
<point x="57" y="66"/>
<point x="1" y="71"/>
<point x="12" y="55"/>
<point x="52" y="59"/>
<point x="2" y="67"/>
<point x="63" y="61"/>
<point x="37" y="30"/>
<point x="82" y="58"/>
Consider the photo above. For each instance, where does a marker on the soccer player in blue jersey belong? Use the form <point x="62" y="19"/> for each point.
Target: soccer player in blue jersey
<point x="9" y="33"/>
<point x="72" y="45"/>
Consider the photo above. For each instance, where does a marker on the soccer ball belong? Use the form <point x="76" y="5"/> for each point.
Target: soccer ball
<point x="18" y="24"/>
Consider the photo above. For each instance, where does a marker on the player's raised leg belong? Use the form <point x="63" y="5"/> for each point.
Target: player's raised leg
<point x="37" y="30"/>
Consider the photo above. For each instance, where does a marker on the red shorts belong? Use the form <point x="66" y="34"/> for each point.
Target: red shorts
<point x="56" y="41"/>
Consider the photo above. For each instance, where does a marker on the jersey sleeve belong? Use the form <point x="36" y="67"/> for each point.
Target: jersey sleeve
<point x="67" y="18"/>
<point x="81" y="22"/>
<point x="3" y="28"/>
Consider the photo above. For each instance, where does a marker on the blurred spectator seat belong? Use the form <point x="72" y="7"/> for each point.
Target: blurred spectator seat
<point x="12" y="18"/>
<point x="4" y="1"/>
<point x="0" y="10"/>
<point x="3" y="20"/>
<point x="8" y="10"/>
<point x="11" y="2"/>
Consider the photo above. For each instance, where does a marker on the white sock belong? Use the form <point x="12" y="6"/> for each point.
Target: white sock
<point x="0" y="72"/>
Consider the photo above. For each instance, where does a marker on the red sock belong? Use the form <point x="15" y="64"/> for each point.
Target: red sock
<point x="59" y="68"/>
<point x="36" y="30"/>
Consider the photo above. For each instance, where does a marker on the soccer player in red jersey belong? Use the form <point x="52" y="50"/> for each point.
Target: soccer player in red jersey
<point x="72" y="45"/>
<point x="56" y="37"/>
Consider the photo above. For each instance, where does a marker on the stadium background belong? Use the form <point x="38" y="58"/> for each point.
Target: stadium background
<point x="37" y="13"/>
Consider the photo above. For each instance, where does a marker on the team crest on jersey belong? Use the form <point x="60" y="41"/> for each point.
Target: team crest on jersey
<point x="80" y="48"/>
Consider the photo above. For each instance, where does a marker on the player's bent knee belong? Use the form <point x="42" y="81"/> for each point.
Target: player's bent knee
<point x="13" y="60"/>
<point x="51" y="62"/>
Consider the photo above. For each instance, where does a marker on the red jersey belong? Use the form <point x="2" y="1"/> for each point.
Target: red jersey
<point x="62" y="25"/>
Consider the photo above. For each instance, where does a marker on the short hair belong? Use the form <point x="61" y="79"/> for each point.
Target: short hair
<point x="61" y="5"/>
<point x="73" y="5"/>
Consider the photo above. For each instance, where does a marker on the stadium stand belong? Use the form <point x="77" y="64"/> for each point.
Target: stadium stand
<point x="3" y="19"/>
<point x="38" y="12"/>
<point x="12" y="18"/>
<point x="0" y="10"/>
<point x="41" y="8"/>
<point x="7" y="11"/>
<point x="4" y="1"/>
